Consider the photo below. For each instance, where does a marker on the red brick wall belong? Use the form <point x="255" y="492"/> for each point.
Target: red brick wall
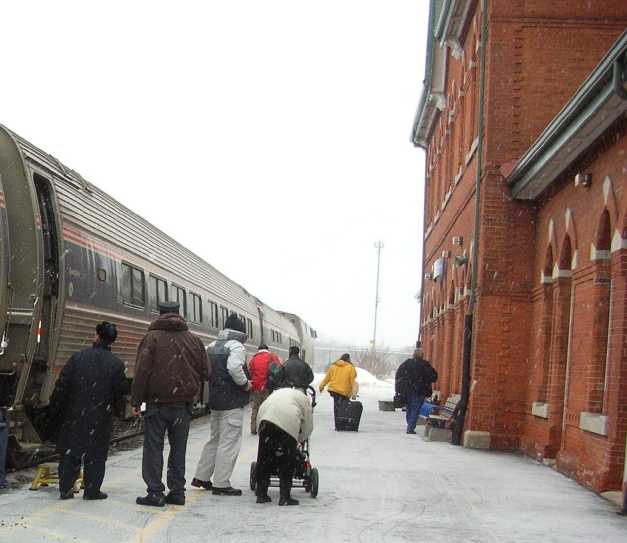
<point x="537" y="56"/>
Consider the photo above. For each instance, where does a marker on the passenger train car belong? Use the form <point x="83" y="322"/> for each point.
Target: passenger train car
<point x="72" y="256"/>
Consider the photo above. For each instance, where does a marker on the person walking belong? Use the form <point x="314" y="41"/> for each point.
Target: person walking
<point x="89" y="386"/>
<point x="229" y="393"/>
<point x="285" y="419"/>
<point x="171" y="365"/>
<point x="413" y="382"/>
<point x="258" y="368"/>
<point x="341" y="379"/>
<point x="297" y="372"/>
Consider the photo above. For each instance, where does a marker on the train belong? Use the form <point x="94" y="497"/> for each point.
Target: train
<point x="72" y="256"/>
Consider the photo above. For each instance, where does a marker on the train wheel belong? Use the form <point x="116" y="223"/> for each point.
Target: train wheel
<point x="253" y="476"/>
<point x="314" y="483"/>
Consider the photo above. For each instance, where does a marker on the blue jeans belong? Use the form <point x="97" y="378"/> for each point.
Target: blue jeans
<point x="414" y="402"/>
<point x="4" y="440"/>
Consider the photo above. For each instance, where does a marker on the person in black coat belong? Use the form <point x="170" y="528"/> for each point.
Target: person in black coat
<point x="297" y="373"/>
<point x="88" y="388"/>
<point x="413" y="381"/>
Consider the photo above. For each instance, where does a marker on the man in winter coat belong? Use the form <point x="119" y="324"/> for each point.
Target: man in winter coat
<point x="297" y="372"/>
<point x="90" y="384"/>
<point x="171" y="366"/>
<point x="258" y="368"/>
<point x="285" y="419"/>
<point x="229" y="392"/>
<point x="413" y="381"/>
<point x="341" y="378"/>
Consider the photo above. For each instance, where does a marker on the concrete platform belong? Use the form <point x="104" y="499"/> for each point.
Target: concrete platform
<point x="376" y="485"/>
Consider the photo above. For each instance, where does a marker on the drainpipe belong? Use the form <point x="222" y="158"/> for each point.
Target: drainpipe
<point x="619" y="90"/>
<point x="458" y="427"/>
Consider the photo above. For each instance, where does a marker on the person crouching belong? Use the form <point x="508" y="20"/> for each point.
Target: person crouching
<point x="285" y="418"/>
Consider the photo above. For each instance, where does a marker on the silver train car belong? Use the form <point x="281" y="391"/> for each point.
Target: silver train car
<point x="72" y="256"/>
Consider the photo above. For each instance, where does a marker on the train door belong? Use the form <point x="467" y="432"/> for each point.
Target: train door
<point x="7" y="373"/>
<point x="50" y="260"/>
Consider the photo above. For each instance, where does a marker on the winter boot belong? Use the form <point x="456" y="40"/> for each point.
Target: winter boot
<point x="285" y="498"/>
<point x="262" y="492"/>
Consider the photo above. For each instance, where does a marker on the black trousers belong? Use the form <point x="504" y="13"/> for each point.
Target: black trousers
<point x="157" y="421"/>
<point x="276" y="455"/>
<point x="93" y="472"/>
<point x="340" y="405"/>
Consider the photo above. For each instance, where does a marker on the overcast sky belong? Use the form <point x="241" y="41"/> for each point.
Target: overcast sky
<point x="271" y="137"/>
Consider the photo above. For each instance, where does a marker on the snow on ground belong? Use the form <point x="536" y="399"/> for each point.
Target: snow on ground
<point x="378" y="485"/>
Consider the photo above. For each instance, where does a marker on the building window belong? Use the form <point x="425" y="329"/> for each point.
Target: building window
<point x="158" y="292"/>
<point x="213" y="310"/>
<point x="196" y="308"/>
<point x="133" y="288"/>
<point x="251" y="334"/>
<point x="178" y="295"/>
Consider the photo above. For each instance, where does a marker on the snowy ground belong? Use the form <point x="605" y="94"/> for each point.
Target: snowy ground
<point x="376" y="485"/>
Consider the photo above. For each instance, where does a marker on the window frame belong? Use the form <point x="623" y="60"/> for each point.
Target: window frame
<point x="214" y="312"/>
<point x="157" y="278"/>
<point x="131" y="302"/>
<point x="195" y="298"/>
<point x="182" y="307"/>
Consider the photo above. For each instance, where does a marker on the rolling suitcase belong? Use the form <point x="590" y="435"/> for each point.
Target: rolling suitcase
<point x="348" y="416"/>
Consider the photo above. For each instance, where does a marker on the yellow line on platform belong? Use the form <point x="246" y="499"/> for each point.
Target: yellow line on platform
<point x="162" y="519"/>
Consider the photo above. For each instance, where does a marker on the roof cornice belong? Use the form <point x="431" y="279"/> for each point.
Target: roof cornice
<point x="592" y="109"/>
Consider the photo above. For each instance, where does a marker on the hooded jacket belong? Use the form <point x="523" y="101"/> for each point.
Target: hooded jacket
<point x="228" y="386"/>
<point x="415" y="376"/>
<point x="83" y="401"/>
<point x="341" y="378"/>
<point x="259" y="366"/>
<point x="171" y="364"/>
<point x="290" y="410"/>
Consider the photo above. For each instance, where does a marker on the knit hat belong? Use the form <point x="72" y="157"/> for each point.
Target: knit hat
<point x="346" y="357"/>
<point x="107" y="332"/>
<point x="168" y="307"/>
<point x="233" y="322"/>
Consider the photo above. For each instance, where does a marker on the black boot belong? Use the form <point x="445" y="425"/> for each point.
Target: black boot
<point x="262" y="492"/>
<point x="285" y="498"/>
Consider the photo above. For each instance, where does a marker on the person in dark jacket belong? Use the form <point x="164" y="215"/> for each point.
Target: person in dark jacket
<point x="413" y="381"/>
<point x="229" y="391"/>
<point x="258" y="368"/>
<point x="297" y="372"/>
<point x="171" y="366"/>
<point x="90" y="384"/>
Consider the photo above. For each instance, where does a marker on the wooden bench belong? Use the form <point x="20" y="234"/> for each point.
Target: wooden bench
<point x="438" y="427"/>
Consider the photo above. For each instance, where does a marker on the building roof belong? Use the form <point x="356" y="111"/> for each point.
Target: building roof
<point x="593" y="108"/>
<point x="447" y="20"/>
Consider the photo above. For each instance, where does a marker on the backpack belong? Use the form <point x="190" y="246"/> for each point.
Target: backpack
<point x="276" y="376"/>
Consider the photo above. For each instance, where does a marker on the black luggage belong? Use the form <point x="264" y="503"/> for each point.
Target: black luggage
<point x="348" y="416"/>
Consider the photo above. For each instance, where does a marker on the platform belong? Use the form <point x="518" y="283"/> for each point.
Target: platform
<point x="376" y="485"/>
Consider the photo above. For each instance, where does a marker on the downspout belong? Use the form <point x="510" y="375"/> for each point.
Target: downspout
<point x="422" y="271"/>
<point x="619" y="89"/>
<point x="458" y="427"/>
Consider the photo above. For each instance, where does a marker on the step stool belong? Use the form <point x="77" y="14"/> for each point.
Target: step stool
<point x="48" y="474"/>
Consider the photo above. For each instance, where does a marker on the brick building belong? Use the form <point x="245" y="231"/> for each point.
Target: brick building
<point x="523" y="121"/>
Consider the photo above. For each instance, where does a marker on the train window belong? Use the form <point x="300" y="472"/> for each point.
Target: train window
<point x="101" y="274"/>
<point x="251" y="334"/>
<point x="196" y="308"/>
<point x="225" y="314"/>
<point x="213" y="310"/>
<point x="179" y="296"/>
<point x="133" y="288"/>
<point x="158" y="292"/>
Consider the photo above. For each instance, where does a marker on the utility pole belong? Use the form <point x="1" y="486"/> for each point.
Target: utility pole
<point x="378" y="246"/>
